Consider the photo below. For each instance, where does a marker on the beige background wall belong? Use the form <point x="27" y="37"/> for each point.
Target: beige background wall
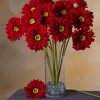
<point x="19" y="65"/>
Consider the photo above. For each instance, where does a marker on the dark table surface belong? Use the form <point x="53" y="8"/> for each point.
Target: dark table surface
<point x="70" y="95"/>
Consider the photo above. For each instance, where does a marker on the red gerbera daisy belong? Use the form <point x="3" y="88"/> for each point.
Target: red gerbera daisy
<point x="13" y="29"/>
<point x="35" y="89"/>
<point x="61" y="8"/>
<point x="45" y="11"/>
<point x="73" y="1"/>
<point x="30" y="21"/>
<point x="60" y="29"/>
<point x="82" y="18"/>
<point x="37" y="37"/>
<point x="44" y="1"/>
<point x="82" y="39"/>
<point x="78" y="3"/>
<point x="30" y="7"/>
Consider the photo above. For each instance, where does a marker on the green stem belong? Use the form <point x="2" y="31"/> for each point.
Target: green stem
<point x="66" y="45"/>
<point x="63" y="50"/>
<point x="52" y="46"/>
<point x="60" y="56"/>
<point x="54" y="62"/>
<point x="57" y="66"/>
<point x="49" y="64"/>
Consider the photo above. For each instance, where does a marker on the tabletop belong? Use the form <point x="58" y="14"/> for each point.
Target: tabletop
<point x="70" y="95"/>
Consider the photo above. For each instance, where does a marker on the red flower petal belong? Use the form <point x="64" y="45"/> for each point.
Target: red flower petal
<point x="35" y="89"/>
<point x="30" y="7"/>
<point x="80" y="3"/>
<point x="45" y="11"/>
<point x="73" y="1"/>
<point x="59" y="30"/>
<point x="30" y="21"/>
<point x="13" y="29"/>
<point x="82" y="39"/>
<point x="37" y="37"/>
<point x="82" y="18"/>
<point x="61" y="8"/>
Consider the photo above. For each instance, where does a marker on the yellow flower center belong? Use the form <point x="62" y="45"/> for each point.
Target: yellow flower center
<point x="81" y="18"/>
<point x="37" y="37"/>
<point x="63" y="12"/>
<point x="32" y="21"/>
<point x="45" y="14"/>
<point x="32" y="9"/>
<point x="61" y="28"/>
<point x="35" y="90"/>
<point x="82" y="37"/>
<point x="16" y="29"/>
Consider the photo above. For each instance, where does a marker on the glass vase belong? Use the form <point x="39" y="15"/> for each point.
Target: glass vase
<point x="54" y="72"/>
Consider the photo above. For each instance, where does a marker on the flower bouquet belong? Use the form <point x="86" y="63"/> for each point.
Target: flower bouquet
<point x="46" y="24"/>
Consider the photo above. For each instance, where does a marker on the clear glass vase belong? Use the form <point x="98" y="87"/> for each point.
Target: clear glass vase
<point x="54" y="72"/>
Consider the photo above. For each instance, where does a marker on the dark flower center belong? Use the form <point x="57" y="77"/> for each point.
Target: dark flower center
<point x="16" y="29"/>
<point x="35" y="90"/>
<point x="32" y="21"/>
<point x="37" y="37"/>
<point x="45" y="14"/>
<point x="81" y="18"/>
<point x="32" y="9"/>
<point x="61" y="28"/>
<point x="82" y="37"/>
